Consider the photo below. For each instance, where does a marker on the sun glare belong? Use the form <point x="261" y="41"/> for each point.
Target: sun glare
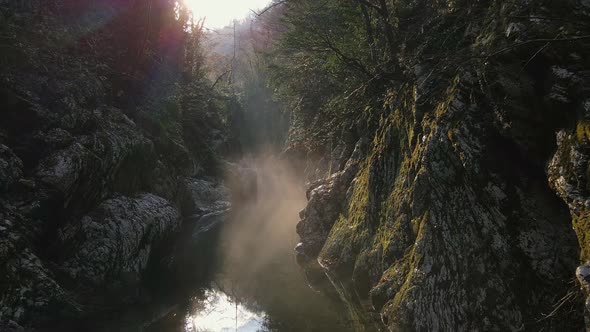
<point x="220" y="13"/>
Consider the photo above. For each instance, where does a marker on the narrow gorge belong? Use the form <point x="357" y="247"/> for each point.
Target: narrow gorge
<point x="334" y="165"/>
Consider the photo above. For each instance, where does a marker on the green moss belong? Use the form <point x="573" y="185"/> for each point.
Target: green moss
<point x="377" y="221"/>
<point x="583" y="131"/>
<point x="581" y="223"/>
<point x="350" y="232"/>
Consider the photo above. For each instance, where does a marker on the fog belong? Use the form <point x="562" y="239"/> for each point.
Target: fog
<point x="261" y="229"/>
<point x="256" y="256"/>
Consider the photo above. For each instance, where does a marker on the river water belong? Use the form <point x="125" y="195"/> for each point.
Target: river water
<point x="242" y="275"/>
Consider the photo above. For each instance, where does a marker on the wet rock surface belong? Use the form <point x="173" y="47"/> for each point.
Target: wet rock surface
<point x="201" y="197"/>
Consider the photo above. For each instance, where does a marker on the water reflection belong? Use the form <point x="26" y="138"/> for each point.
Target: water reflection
<point x="219" y="313"/>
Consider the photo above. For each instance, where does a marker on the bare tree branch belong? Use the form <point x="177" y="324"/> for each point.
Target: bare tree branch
<point x="220" y="77"/>
<point x="355" y="63"/>
<point x="278" y="3"/>
<point x="540" y="40"/>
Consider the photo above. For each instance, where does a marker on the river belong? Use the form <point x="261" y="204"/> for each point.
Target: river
<point x="242" y="275"/>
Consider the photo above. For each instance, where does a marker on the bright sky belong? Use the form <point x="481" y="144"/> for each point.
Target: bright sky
<point x="220" y="13"/>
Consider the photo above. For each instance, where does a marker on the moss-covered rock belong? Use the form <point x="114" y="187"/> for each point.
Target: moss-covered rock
<point x="451" y="221"/>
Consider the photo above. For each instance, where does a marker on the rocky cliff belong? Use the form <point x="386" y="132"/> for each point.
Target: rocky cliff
<point x="465" y="207"/>
<point x="97" y="170"/>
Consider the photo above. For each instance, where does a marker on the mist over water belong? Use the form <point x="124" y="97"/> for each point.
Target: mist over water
<point x="262" y="229"/>
<point x="254" y="282"/>
<point x="256" y="257"/>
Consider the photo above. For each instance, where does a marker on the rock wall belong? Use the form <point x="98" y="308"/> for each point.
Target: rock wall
<point x="458" y="214"/>
<point x="93" y="176"/>
<point x="82" y="211"/>
<point x="568" y="176"/>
